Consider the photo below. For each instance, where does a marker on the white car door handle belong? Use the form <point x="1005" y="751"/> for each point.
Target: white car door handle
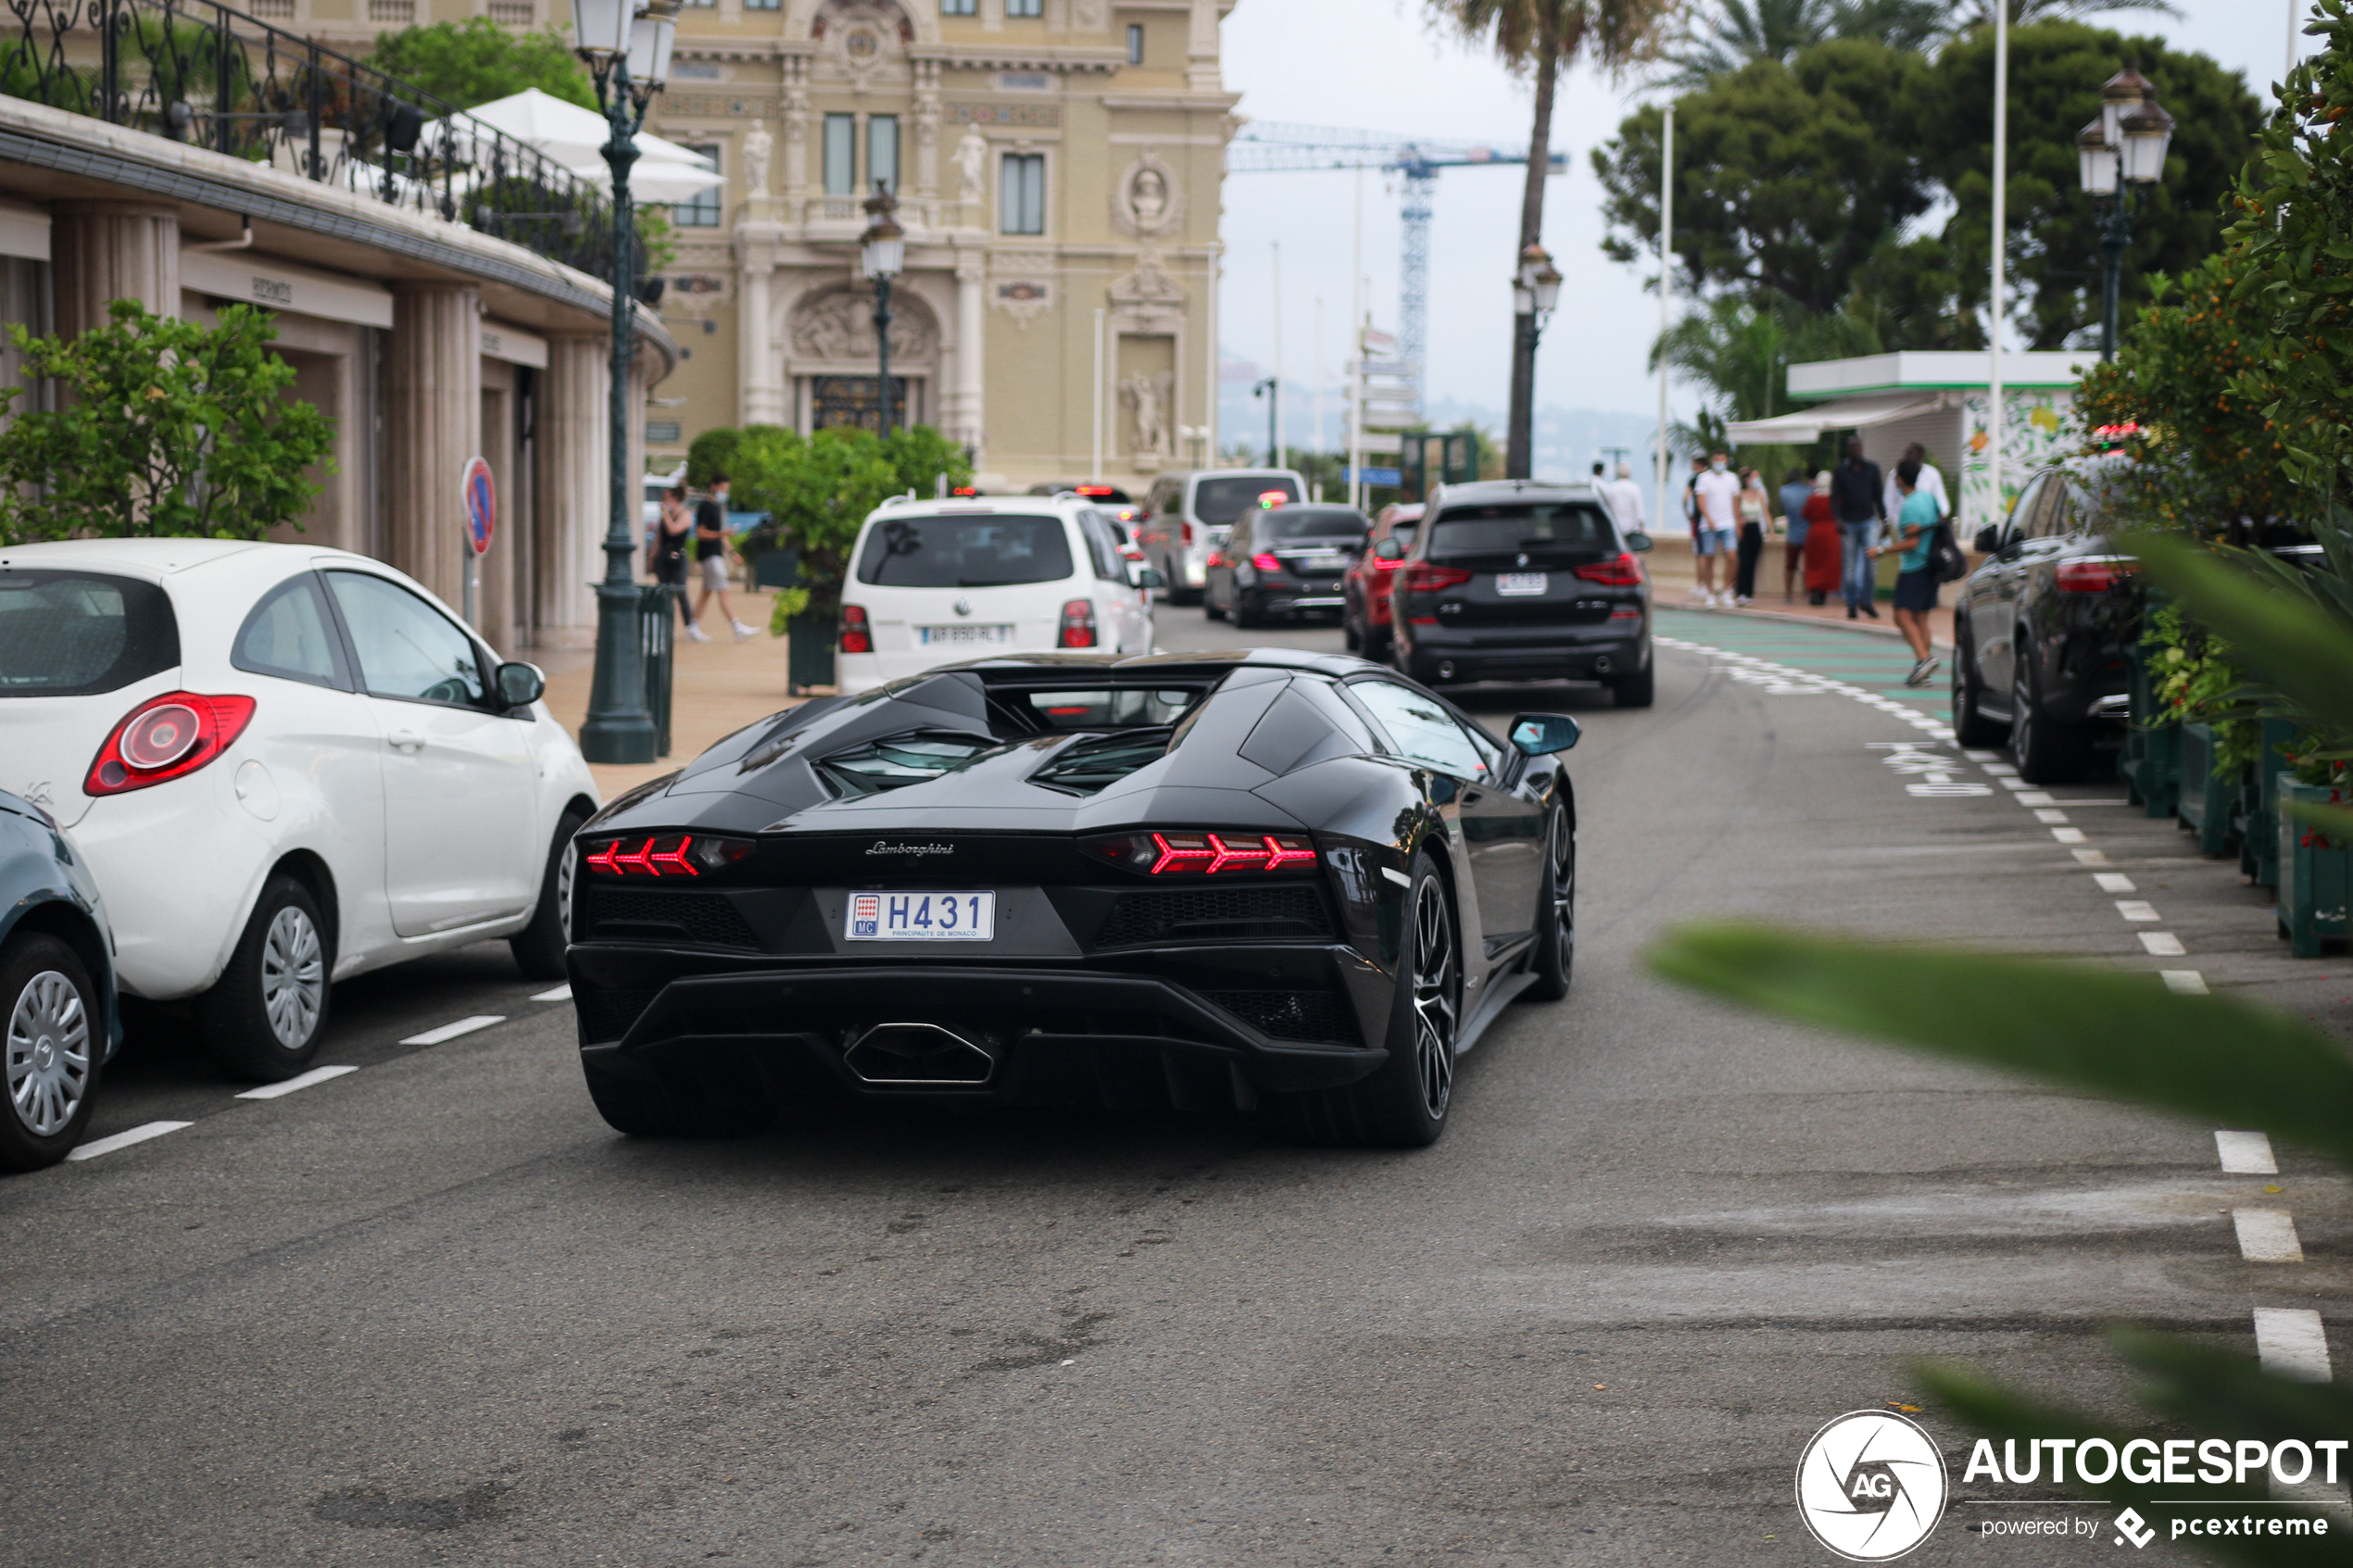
<point x="406" y="740"/>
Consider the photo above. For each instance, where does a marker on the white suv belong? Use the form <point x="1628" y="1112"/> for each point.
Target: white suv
<point x="934" y="583"/>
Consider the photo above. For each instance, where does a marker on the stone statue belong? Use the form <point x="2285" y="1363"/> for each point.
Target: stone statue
<point x="757" y="146"/>
<point x="1146" y="201"/>
<point x="1148" y="395"/>
<point x="972" y="159"/>
<point x="1149" y="196"/>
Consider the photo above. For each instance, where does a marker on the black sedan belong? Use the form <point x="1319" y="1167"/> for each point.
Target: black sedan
<point x="1274" y="880"/>
<point x="1280" y="563"/>
<point x="2041" y="628"/>
<point x="56" y="987"/>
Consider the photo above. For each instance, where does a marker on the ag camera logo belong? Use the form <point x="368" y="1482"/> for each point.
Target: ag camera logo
<point x="1871" y="1485"/>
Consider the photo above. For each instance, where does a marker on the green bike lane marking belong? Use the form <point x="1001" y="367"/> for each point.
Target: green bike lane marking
<point x="1831" y="655"/>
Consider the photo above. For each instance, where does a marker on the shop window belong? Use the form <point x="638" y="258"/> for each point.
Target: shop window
<point x="702" y="211"/>
<point x="841" y="155"/>
<point x="1021" y="190"/>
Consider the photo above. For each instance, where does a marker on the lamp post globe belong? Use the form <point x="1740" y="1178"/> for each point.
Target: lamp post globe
<point x="627" y="44"/>
<point x="2117" y="154"/>
<point x="882" y="255"/>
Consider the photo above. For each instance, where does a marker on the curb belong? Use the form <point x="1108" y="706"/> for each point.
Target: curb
<point x="1871" y="628"/>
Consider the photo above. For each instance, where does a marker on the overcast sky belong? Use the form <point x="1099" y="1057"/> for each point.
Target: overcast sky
<point x="1378" y="64"/>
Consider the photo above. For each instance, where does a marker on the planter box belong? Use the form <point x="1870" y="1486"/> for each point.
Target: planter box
<point x="2316" y="876"/>
<point x="814" y="633"/>
<point x="2150" y="764"/>
<point x="2260" y="844"/>
<point x="2208" y="804"/>
<point x="776" y="569"/>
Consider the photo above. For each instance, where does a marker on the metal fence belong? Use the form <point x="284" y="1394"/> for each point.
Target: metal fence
<point x="202" y="73"/>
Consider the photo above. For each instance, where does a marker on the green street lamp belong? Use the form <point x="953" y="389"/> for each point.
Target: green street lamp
<point x="627" y="44"/>
<point x="882" y="255"/>
<point x="2116" y="155"/>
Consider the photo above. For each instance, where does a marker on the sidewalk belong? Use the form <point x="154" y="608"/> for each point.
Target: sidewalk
<point x="1669" y="565"/>
<point x="717" y="688"/>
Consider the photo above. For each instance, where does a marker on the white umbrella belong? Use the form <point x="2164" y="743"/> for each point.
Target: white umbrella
<point x="662" y="183"/>
<point x="568" y="134"/>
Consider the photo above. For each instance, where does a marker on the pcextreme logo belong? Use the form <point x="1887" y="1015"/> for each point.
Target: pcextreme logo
<point x="1871" y="1485"/>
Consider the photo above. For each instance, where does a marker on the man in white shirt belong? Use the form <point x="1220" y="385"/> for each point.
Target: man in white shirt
<point x="1931" y="481"/>
<point x="1625" y="498"/>
<point x="1715" y="498"/>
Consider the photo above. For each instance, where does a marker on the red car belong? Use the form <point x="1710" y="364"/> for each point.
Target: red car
<point x="1364" y="620"/>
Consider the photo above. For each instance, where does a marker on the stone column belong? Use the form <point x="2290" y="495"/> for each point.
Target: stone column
<point x="433" y="419"/>
<point x="928" y="135"/>
<point x="759" y="399"/>
<point x="965" y="422"/>
<point x="1201" y="48"/>
<point x="104" y="251"/>
<point x="572" y="438"/>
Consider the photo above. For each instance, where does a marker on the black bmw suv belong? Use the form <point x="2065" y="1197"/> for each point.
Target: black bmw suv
<point x="2041" y="628"/>
<point x="1524" y="580"/>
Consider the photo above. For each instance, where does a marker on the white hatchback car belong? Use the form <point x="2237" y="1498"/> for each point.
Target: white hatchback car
<point x="934" y="583"/>
<point x="285" y="766"/>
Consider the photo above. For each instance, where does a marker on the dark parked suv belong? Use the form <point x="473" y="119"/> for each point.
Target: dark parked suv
<point x="2041" y="628"/>
<point x="1524" y="580"/>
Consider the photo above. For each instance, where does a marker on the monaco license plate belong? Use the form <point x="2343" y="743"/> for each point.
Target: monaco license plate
<point x="922" y="917"/>
<point x="962" y="636"/>
<point x="1516" y="584"/>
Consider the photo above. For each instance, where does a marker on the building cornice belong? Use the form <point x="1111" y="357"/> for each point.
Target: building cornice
<point x="1000" y="56"/>
<point x="1207" y="102"/>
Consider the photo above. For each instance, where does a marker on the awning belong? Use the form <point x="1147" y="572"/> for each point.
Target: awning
<point x="1847" y="413"/>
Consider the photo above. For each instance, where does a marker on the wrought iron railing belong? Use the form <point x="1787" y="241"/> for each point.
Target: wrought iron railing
<point x="202" y="73"/>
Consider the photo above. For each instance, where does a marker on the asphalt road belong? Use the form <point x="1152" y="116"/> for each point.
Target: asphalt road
<point x="433" y="1311"/>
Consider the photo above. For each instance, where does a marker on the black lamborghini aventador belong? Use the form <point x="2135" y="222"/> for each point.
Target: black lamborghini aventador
<point x="1270" y="880"/>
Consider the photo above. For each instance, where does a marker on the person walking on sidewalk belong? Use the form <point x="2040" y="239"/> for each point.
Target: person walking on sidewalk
<point x="1914" y="530"/>
<point x="1755" y="510"/>
<point x="1855" y="496"/>
<point x="668" y="553"/>
<point x="1892" y="499"/>
<point x="1795" y="493"/>
<point x="710" y="559"/>
<point x="1715" y="502"/>
<point x="1825" y="566"/>
<point x="1626" y="501"/>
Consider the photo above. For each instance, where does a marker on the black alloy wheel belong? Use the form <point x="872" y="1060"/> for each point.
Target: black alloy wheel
<point x="1555" y="958"/>
<point x="1970" y="727"/>
<point x="2045" y="751"/>
<point x="1403" y="1104"/>
<point x="1247" y="613"/>
<point x="1637" y="690"/>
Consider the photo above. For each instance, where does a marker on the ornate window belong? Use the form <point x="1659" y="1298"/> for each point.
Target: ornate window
<point x="1023" y="7"/>
<point x="841" y="155"/>
<point x="700" y="211"/>
<point x="1021" y="193"/>
<point x="1135" y="44"/>
<point x="882" y="151"/>
<point x="959" y="7"/>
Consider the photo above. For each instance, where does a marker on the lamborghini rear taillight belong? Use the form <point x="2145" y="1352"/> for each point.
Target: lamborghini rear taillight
<point x="167" y="737"/>
<point x="1077" y="625"/>
<point x="662" y="854"/>
<point x="1188" y="852"/>
<point x="857" y="636"/>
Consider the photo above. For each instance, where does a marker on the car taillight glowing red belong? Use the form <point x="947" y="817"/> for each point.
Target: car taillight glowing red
<point x="1423" y="578"/>
<point x="663" y="855"/>
<point x="2093" y="574"/>
<point x="857" y="636"/>
<point x="1265" y="561"/>
<point x="1380" y="565"/>
<point x="1078" y="625"/>
<point x="1173" y="852"/>
<point x="167" y="737"/>
<point x="1619" y="571"/>
<point x="1187" y="534"/>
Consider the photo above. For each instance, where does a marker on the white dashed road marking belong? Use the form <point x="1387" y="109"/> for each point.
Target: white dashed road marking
<point x="2135" y="908"/>
<point x="2267" y="1235"/>
<point x="2246" y="1154"/>
<point x="2162" y="944"/>
<point x="2290" y="1343"/>
<point x="113" y="1141"/>
<point x="560" y="994"/>
<point x="451" y="1031"/>
<point x="2092" y="856"/>
<point x="2068" y="836"/>
<point x="2188" y="982"/>
<point x="2115" y="881"/>
<point x="316" y="1075"/>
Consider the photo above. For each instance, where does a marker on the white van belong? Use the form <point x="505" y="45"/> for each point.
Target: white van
<point x="934" y="583"/>
<point x="1186" y="516"/>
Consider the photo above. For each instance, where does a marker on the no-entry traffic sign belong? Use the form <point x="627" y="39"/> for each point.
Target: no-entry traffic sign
<point x="481" y="492"/>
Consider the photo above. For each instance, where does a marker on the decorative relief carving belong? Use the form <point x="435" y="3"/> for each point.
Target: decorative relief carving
<point x="757" y="145"/>
<point x="837" y="323"/>
<point x="1147" y="202"/>
<point x="864" y="41"/>
<point x="1024" y="299"/>
<point x="1044" y="116"/>
<point x="1148" y="300"/>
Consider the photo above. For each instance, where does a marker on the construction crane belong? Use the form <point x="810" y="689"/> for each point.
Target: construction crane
<point x="1261" y="147"/>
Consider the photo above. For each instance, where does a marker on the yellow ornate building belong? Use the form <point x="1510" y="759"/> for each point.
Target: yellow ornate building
<point x="1053" y="159"/>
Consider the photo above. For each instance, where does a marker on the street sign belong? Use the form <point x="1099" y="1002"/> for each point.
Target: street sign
<point x="1372" y="476"/>
<point x="1407" y="369"/>
<point x="481" y="496"/>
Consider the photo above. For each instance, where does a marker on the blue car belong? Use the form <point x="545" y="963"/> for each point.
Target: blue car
<point x="56" y="987"/>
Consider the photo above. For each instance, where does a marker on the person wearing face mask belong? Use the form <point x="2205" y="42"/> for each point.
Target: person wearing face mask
<point x="1716" y="499"/>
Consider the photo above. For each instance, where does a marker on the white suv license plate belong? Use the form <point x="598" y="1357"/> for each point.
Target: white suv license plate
<point x="921" y="917"/>
<point x="1515" y="584"/>
<point x="962" y="636"/>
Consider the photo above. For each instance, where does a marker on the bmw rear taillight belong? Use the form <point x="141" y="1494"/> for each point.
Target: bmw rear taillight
<point x="659" y="855"/>
<point x="857" y="636"/>
<point x="1620" y="571"/>
<point x="167" y="737"/>
<point x="1187" y="852"/>
<point x="1423" y="578"/>
<point x="2095" y="574"/>
<point x="1078" y="625"/>
<point x="1265" y="561"/>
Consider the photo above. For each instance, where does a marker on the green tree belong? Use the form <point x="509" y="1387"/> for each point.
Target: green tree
<point x="918" y="455"/>
<point x="1741" y="350"/>
<point x="1722" y="39"/>
<point x="817" y="491"/>
<point x="476" y="61"/>
<point x="163" y="427"/>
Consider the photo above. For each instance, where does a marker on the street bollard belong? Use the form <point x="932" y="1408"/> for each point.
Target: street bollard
<point x="657" y="631"/>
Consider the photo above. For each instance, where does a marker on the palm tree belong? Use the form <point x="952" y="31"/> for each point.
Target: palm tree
<point x="1740" y="349"/>
<point x="1734" y="33"/>
<point x="1544" y="38"/>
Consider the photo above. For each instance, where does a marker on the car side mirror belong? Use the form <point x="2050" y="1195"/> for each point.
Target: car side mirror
<point x="520" y="685"/>
<point x="1150" y="577"/>
<point x="1988" y="540"/>
<point x="1638" y="542"/>
<point x="1389" y="549"/>
<point x="1541" y="734"/>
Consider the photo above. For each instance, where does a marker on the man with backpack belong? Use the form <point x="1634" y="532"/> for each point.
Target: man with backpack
<point x="1916" y="577"/>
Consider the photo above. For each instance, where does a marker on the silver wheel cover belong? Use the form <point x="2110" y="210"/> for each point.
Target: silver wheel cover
<point x="48" y="1062"/>
<point x="293" y="977"/>
<point x="1433" y="997"/>
<point x="566" y="859"/>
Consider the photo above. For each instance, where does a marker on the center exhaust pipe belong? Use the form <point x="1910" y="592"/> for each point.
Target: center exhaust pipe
<point x="918" y="1055"/>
